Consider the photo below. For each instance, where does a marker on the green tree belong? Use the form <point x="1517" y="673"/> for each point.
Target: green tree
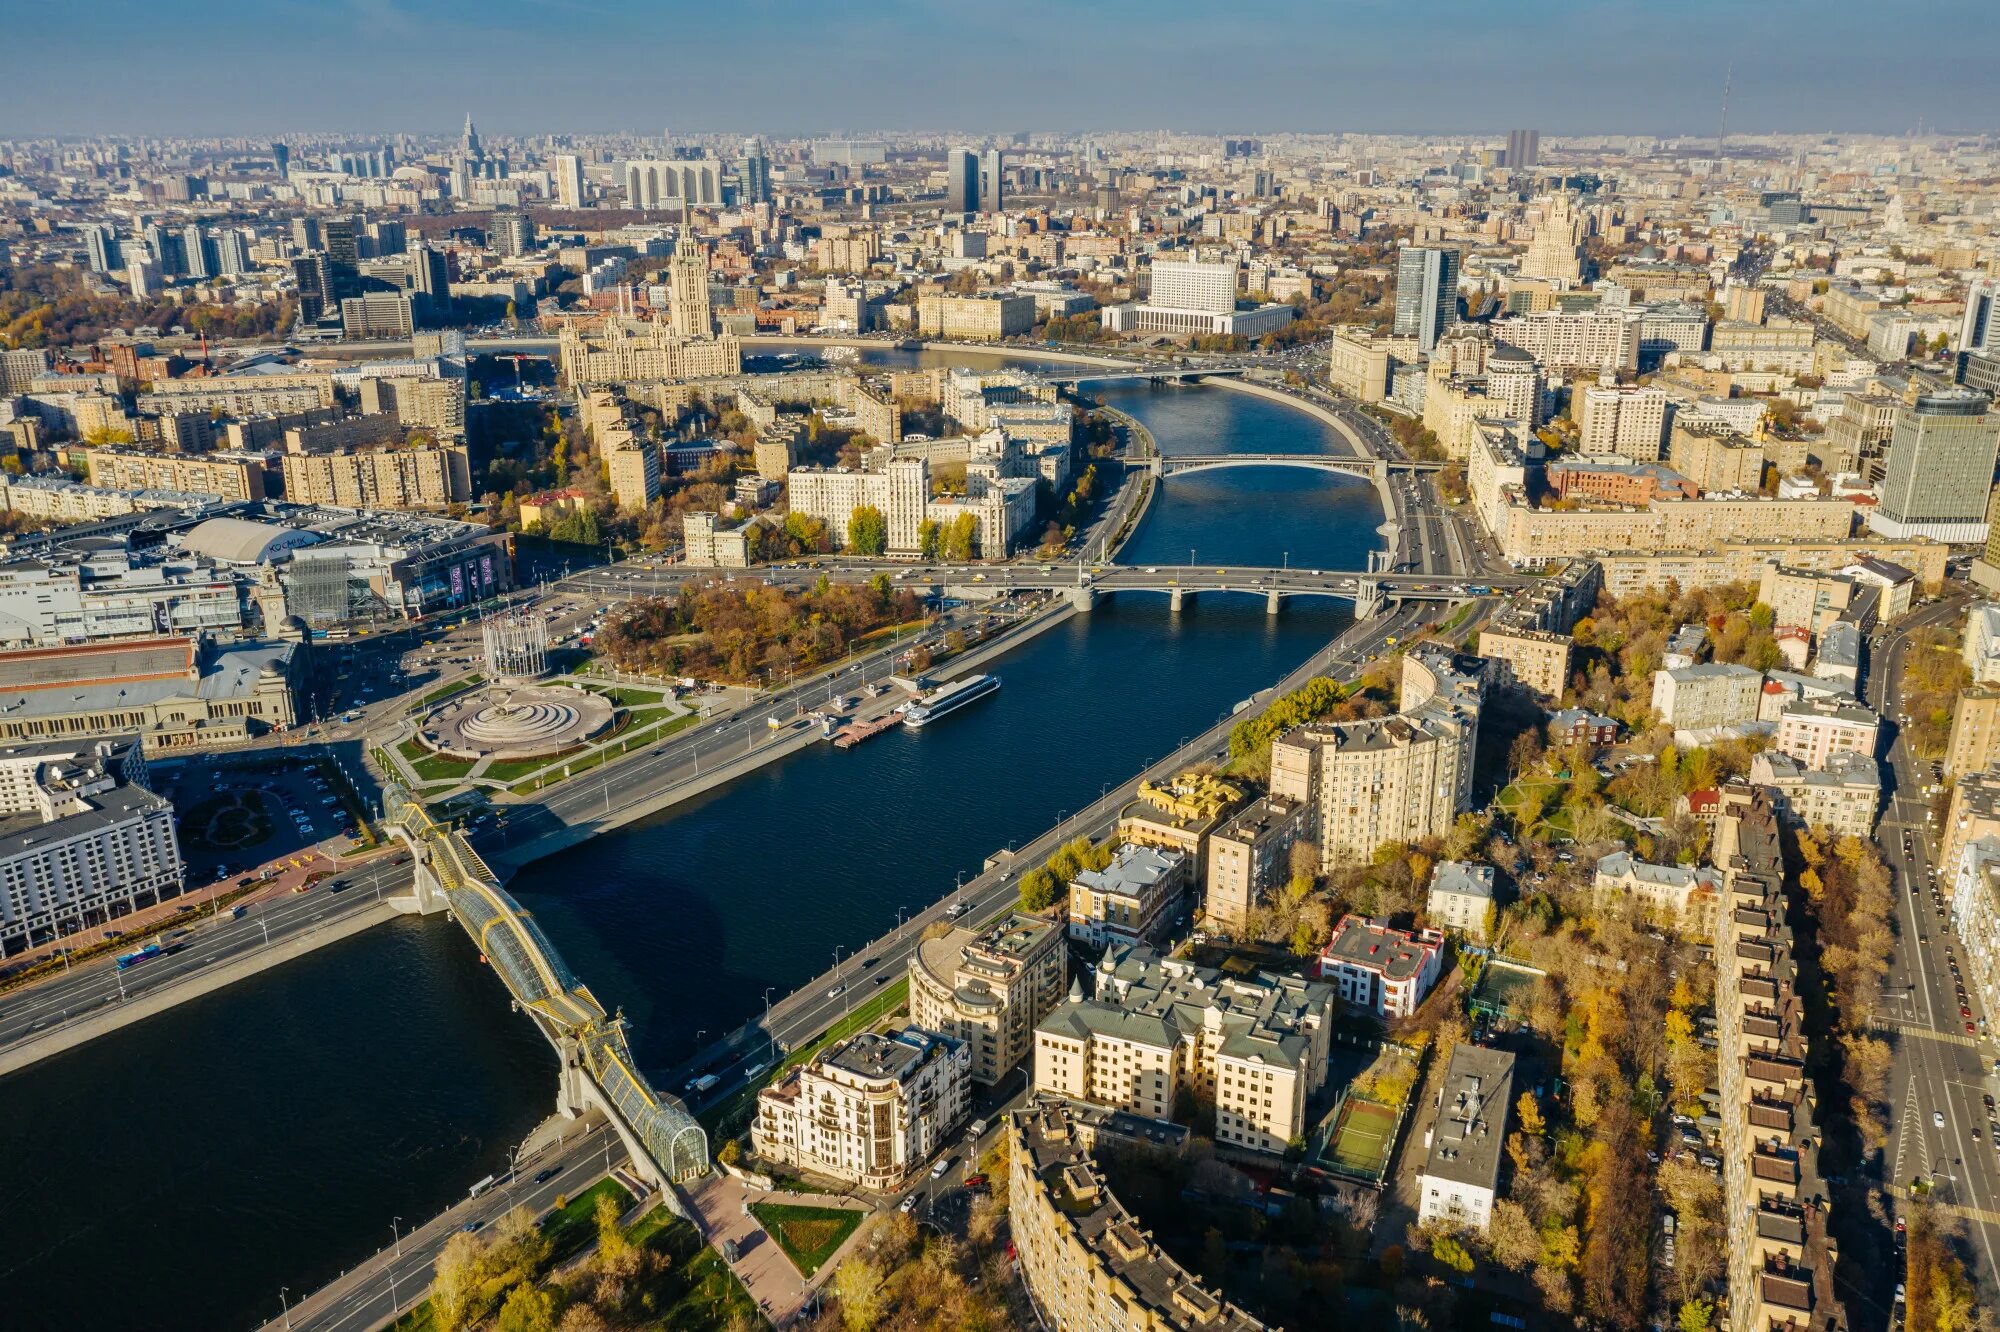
<point x="528" y="1309"/>
<point x="1450" y="1251"/>
<point x="867" y="530"/>
<point x="961" y="535"/>
<point x="1038" y="890"/>
<point x="859" y="1288"/>
<point x="456" y="1280"/>
<point x="1697" y="1316"/>
<point x="928" y="539"/>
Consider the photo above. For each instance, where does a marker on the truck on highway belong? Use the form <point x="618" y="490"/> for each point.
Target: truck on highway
<point x="702" y="1083"/>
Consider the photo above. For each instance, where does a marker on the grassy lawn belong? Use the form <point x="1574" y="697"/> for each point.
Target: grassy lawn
<point x="575" y="1226"/>
<point x="443" y="692"/>
<point x="808" y="1235"/>
<point x="507" y="770"/>
<point x="626" y="697"/>
<point x="1528" y="795"/>
<point x="415" y="1320"/>
<point x="438" y="768"/>
<point x="650" y="733"/>
<point x="698" y="1292"/>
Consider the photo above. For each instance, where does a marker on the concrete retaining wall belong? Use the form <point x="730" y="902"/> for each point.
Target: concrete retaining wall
<point x="207" y="980"/>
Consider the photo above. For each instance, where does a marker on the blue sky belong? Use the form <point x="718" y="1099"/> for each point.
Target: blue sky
<point x="792" y="66"/>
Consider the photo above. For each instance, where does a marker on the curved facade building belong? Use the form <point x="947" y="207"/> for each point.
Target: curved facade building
<point x="1087" y="1262"/>
<point x="988" y="988"/>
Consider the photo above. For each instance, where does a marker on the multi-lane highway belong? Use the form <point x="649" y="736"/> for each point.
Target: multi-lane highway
<point x="1940" y="1129"/>
<point x="373" y="1292"/>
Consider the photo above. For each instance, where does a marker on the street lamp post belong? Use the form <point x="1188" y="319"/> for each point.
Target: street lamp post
<point x="285" y="1304"/>
<point x="395" y="1222"/>
<point x="767" y="1022"/>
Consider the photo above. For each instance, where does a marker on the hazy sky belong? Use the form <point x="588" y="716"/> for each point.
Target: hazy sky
<point x="785" y="66"/>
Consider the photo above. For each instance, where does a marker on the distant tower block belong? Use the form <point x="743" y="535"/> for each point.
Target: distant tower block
<point x="517" y="646"/>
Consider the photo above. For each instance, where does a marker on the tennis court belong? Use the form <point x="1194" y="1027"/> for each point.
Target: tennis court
<point x="1363" y="1137"/>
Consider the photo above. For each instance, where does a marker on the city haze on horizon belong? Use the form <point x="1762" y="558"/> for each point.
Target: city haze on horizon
<point x="1797" y="68"/>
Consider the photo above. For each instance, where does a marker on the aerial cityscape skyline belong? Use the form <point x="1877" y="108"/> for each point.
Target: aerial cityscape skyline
<point x="1371" y="701"/>
<point x="1790" y="67"/>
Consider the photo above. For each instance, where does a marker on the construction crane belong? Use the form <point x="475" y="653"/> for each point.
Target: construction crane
<point x="516" y="358"/>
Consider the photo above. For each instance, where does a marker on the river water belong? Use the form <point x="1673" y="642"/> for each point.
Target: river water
<point x="265" y="1136"/>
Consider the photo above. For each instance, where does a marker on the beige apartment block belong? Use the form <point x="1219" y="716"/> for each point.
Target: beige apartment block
<point x="1975" y="732"/>
<point x="421" y="478"/>
<point x="1255" y="1046"/>
<point x="1388" y="779"/>
<point x="233" y="476"/>
<point x="989" y="987"/>
<point x="1540" y="661"/>
<point x="984" y="317"/>
<point x="870" y="1111"/>
<point x="1085" y="1259"/>
<point x="635" y="472"/>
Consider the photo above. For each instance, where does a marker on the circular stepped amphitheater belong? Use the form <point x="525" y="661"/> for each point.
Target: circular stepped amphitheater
<point x="516" y="723"/>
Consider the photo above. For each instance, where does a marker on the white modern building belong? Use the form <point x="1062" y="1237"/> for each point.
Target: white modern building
<point x="1461" y="1173"/>
<point x="1195" y="297"/>
<point x="1981" y="646"/>
<point x="1379" y="970"/>
<point x="82" y="841"/>
<point x="870" y="1111"/>
<point x="1975" y="909"/>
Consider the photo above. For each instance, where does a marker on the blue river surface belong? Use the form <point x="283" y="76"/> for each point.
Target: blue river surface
<point x="265" y="1136"/>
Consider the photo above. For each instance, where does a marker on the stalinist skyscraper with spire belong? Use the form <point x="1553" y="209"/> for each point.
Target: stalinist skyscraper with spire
<point x="687" y="289"/>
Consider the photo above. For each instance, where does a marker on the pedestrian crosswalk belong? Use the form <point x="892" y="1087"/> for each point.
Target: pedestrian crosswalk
<point x="1915" y="1029"/>
<point x="1986" y="1216"/>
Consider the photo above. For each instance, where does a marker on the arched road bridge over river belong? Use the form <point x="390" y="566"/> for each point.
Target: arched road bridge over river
<point x="597" y="1069"/>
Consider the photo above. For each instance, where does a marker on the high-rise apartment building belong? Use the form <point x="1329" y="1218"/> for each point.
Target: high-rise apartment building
<point x="313" y="274"/>
<point x="232" y="252"/>
<point x="688" y="308"/>
<point x="992" y="182"/>
<point x="1388" y="779"/>
<point x="199" y="250"/>
<point x="1625" y="422"/>
<point x="567" y="168"/>
<point x="513" y="234"/>
<point x="1979" y="330"/>
<point x="961" y="181"/>
<point x="1524" y="149"/>
<point x="1426" y="293"/>
<point x="1940" y="468"/>
<point x="142" y="275"/>
<point x="106" y="254"/>
<point x="755" y="172"/>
